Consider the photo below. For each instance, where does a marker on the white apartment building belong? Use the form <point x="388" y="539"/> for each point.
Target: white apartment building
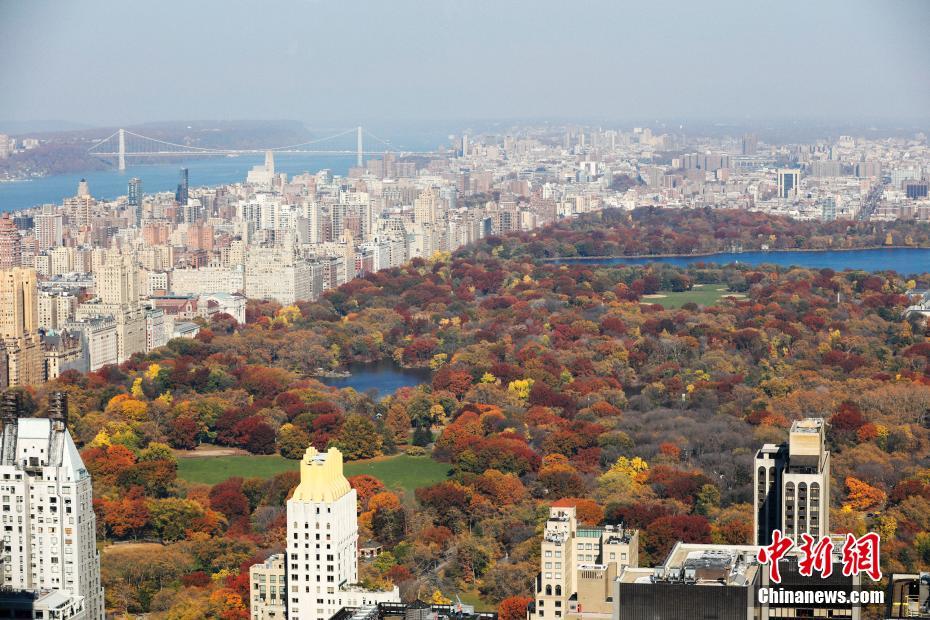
<point x="208" y="280"/>
<point x="320" y="565"/>
<point x="98" y="339"/>
<point x="272" y="273"/>
<point x="48" y="521"/>
<point x="157" y="329"/>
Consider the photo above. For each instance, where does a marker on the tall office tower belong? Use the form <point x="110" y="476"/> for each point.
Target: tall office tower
<point x="321" y="565"/>
<point x="578" y="566"/>
<point x="134" y="198"/>
<point x="47" y="511"/>
<point x="19" y="326"/>
<point x="792" y="484"/>
<point x="11" y="245"/>
<point x="788" y="180"/>
<point x="181" y="194"/>
<point x="464" y="145"/>
<point x="749" y="144"/>
<point x="49" y="227"/>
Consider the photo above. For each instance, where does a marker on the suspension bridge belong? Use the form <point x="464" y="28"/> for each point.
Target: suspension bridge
<point x="123" y="144"/>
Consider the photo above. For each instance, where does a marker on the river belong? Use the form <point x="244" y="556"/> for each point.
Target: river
<point x="210" y="171"/>
<point x="384" y="377"/>
<point x="901" y="260"/>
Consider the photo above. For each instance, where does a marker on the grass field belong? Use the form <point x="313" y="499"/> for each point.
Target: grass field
<point x="396" y="472"/>
<point x="706" y="295"/>
<point x="473" y="597"/>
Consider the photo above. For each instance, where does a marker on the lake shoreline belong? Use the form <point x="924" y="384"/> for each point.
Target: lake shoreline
<point x="719" y="252"/>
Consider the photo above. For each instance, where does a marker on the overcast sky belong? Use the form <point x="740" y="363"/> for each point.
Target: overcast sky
<point x="113" y="62"/>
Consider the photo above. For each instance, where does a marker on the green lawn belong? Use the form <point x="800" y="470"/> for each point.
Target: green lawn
<point x="706" y="295"/>
<point x="473" y="597"/>
<point x="397" y="472"/>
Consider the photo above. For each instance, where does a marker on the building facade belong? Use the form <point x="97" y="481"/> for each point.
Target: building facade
<point x="47" y="511"/>
<point x="791" y="484"/>
<point x="578" y="566"/>
<point x="19" y="326"/>
<point x="320" y="565"/>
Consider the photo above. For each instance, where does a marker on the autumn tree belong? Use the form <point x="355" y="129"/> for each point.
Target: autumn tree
<point x="358" y="439"/>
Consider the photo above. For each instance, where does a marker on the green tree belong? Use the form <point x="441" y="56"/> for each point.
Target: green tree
<point x="358" y="439"/>
<point x="171" y="516"/>
<point x="292" y="441"/>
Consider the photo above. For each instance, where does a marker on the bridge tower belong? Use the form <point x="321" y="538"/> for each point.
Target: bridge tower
<point x="359" y="158"/>
<point x="122" y="150"/>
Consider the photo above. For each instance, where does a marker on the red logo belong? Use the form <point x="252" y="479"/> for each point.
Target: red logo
<point x="860" y="555"/>
<point x="774" y="552"/>
<point x="819" y="556"/>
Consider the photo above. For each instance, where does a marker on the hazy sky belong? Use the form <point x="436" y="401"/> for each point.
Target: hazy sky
<point x="113" y="62"/>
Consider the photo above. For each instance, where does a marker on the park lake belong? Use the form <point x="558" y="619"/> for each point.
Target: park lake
<point x="384" y="377"/>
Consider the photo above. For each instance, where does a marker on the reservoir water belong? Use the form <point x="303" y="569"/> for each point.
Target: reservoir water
<point x="384" y="377"/>
<point x="902" y="260"/>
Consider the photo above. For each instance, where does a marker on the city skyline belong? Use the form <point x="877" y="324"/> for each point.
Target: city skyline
<point x="326" y="61"/>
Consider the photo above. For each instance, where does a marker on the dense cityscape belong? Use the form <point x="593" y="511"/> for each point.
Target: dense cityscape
<point x="464" y="311"/>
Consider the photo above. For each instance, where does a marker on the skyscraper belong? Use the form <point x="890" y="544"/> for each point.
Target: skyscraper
<point x="749" y="144"/>
<point x="10" y="243"/>
<point x="48" y="517"/>
<point x="792" y="484"/>
<point x="788" y="180"/>
<point x="322" y="535"/>
<point x="49" y="228"/>
<point x="19" y="326"/>
<point x="181" y="195"/>
<point x="320" y="563"/>
<point x="134" y="198"/>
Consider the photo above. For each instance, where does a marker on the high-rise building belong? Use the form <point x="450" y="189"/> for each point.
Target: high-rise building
<point x="425" y="206"/>
<point x="788" y="180"/>
<point x="49" y="227"/>
<point x="116" y="282"/>
<point x="134" y="198"/>
<point x="182" y="193"/>
<point x="791" y="484"/>
<point x="578" y="566"/>
<point x="320" y="563"/>
<point x="274" y="273"/>
<point x="19" y="326"/>
<point x="48" y="517"/>
<point x="11" y="250"/>
<point x="749" y="144"/>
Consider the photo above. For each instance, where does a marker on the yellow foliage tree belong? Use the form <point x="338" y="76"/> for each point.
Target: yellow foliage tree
<point x="152" y="371"/>
<point x="521" y="388"/>
<point x="137" y="388"/>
